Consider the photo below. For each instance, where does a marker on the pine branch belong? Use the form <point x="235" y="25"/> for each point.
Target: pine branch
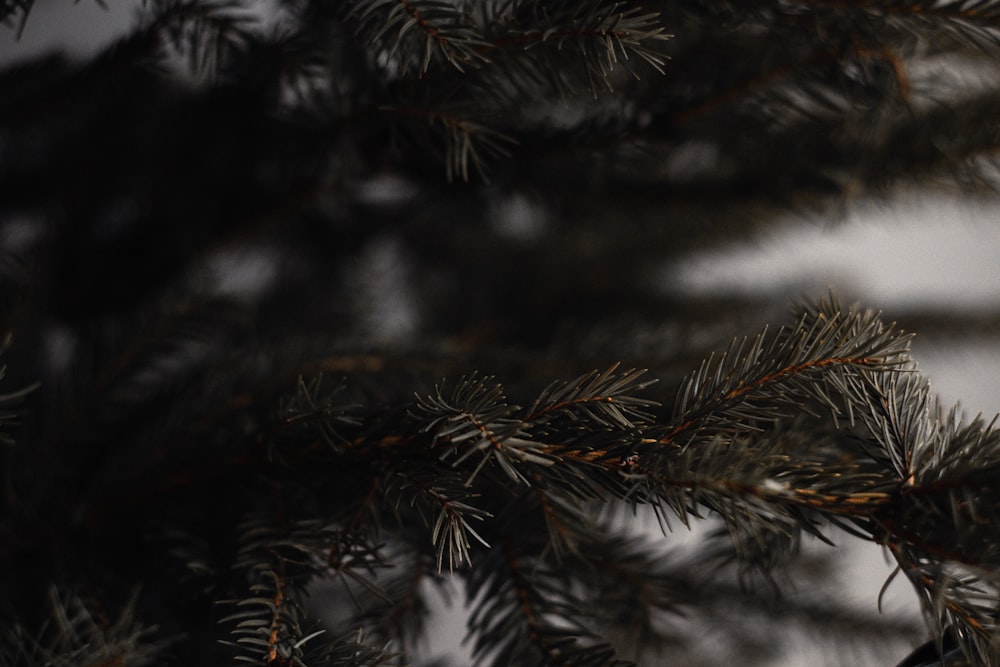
<point x="206" y="32"/>
<point x="525" y="614"/>
<point x="824" y="421"/>
<point x="320" y="410"/>
<point x="442" y="506"/>
<point x="399" y="611"/>
<point x="416" y="33"/>
<point x="894" y="407"/>
<point x="8" y="407"/>
<point x="301" y="69"/>
<point x="351" y="650"/>
<point x="675" y="588"/>
<point x="569" y="420"/>
<point x="973" y="24"/>
<point x="828" y="355"/>
<point x="268" y="625"/>
<point x="466" y="142"/>
<point x="476" y="420"/>
<point x="77" y="636"/>
<point x="604" y="398"/>
<point x="590" y="40"/>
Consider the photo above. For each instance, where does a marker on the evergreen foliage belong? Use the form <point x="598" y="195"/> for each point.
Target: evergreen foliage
<point x="300" y="304"/>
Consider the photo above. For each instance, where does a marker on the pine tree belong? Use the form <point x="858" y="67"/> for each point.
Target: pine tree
<point x="311" y="310"/>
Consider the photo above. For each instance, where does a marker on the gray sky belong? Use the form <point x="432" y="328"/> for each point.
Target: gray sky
<point x="914" y="251"/>
<point x="77" y="28"/>
<point x="934" y="251"/>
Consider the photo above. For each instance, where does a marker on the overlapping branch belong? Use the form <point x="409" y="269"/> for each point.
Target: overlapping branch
<point x="824" y="422"/>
